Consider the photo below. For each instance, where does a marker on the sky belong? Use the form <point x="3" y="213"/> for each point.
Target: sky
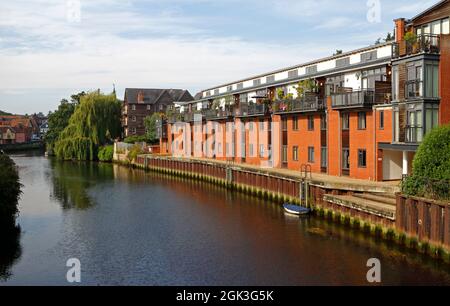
<point x="50" y="49"/>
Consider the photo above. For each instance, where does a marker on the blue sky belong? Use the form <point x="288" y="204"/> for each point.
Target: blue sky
<point x="50" y="49"/>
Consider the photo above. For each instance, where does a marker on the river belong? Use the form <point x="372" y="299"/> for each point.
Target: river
<point x="130" y="227"/>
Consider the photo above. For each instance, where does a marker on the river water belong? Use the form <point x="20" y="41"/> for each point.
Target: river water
<point x="129" y="227"/>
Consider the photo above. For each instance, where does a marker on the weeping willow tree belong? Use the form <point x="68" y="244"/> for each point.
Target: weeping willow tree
<point x="95" y="122"/>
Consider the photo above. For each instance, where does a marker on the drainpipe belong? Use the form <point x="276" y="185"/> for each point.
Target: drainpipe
<point x="374" y="110"/>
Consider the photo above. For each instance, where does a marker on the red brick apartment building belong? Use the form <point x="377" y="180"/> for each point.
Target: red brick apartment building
<point x="360" y="114"/>
<point x="140" y="103"/>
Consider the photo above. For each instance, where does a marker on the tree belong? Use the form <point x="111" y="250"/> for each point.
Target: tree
<point x="389" y="37"/>
<point x="338" y="52"/>
<point x="150" y="127"/>
<point x="431" y="167"/>
<point x="9" y="188"/>
<point x="58" y="121"/>
<point x="95" y="122"/>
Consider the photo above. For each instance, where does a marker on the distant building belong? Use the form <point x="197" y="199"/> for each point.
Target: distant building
<point x="140" y="103"/>
<point x="17" y="129"/>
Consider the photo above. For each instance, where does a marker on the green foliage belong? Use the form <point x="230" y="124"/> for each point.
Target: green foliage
<point x="95" y="122"/>
<point x="150" y="128"/>
<point x="135" y="138"/>
<point x="410" y="37"/>
<point x="134" y="152"/>
<point x="106" y="153"/>
<point x="58" y="121"/>
<point x="4" y="113"/>
<point x="431" y="167"/>
<point x="338" y="52"/>
<point x="305" y="86"/>
<point x="9" y="188"/>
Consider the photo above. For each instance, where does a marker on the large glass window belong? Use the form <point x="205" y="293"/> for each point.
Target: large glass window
<point x="396" y="126"/>
<point x="431" y="117"/>
<point x="395" y="83"/>
<point x="310" y="123"/>
<point x="432" y="80"/>
<point x="295" y="123"/>
<point x="381" y="120"/>
<point x="284" y="154"/>
<point x="446" y="26"/>
<point x="295" y="153"/>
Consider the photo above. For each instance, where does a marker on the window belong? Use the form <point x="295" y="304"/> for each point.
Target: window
<point x="323" y="122"/>
<point x="395" y="83"/>
<point x="284" y="124"/>
<point x="208" y="93"/>
<point x="310" y="154"/>
<point x="133" y="118"/>
<point x="240" y="86"/>
<point x="295" y="153"/>
<point x="362" y="121"/>
<point x="311" y="69"/>
<point x="216" y="92"/>
<point x="261" y="125"/>
<point x="293" y="73"/>
<point x="230" y="88"/>
<point x="445" y="26"/>
<point x="243" y="98"/>
<point x="250" y="126"/>
<point x="133" y="130"/>
<point x="270" y="79"/>
<point x="432" y="80"/>
<point x="370" y="76"/>
<point x="133" y="107"/>
<point x="227" y="149"/>
<point x="284" y="154"/>
<point x="161" y="107"/>
<point x="396" y="126"/>
<point x="362" y="158"/>
<point x="261" y="150"/>
<point x="251" y="150"/>
<point x="345" y="121"/>
<point x="345" y="159"/>
<point x="342" y="62"/>
<point x="323" y="158"/>
<point x="431" y="117"/>
<point x="295" y="123"/>
<point x="148" y="107"/>
<point x="381" y="120"/>
<point x="257" y="82"/>
<point x="310" y="123"/>
<point x="368" y="56"/>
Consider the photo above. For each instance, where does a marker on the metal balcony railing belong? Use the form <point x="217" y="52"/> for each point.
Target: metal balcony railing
<point x="352" y="99"/>
<point x="426" y="43"/>
<point x="215" y="114"/>
<point x="252" y="109"/>
<point x="309" y="103"/>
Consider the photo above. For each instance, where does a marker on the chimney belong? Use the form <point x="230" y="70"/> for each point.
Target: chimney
<point x="400" y="29"/>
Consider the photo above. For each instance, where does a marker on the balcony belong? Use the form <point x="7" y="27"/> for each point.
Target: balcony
<point x="252" y="109"/>
<point x="217" y="114"/>
<point x="355" y="99"/>
<point x="427" y="43"/>
<point x="309" y="103"/>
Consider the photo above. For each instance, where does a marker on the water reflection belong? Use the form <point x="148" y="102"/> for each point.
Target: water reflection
<point x="10" y="249"/>
<point x="71" y="182"/>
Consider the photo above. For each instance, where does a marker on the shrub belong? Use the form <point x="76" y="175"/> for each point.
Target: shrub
<point x="106" y="153"/>
<point x="135" y="138"/>
<point x="9" y="188"/>
<point x="133" y="153"/>
<point x="431" y="167"/>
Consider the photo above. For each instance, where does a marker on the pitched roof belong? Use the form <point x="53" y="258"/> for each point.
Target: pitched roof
<point x="428" y="10"/>
<point x="151" y="96"/>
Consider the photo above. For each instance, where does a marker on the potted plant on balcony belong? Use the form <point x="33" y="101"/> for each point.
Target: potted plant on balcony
<point x="411" y="42"/>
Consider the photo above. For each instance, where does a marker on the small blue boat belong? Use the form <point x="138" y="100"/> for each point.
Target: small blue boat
<point x="296" y="210"/>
